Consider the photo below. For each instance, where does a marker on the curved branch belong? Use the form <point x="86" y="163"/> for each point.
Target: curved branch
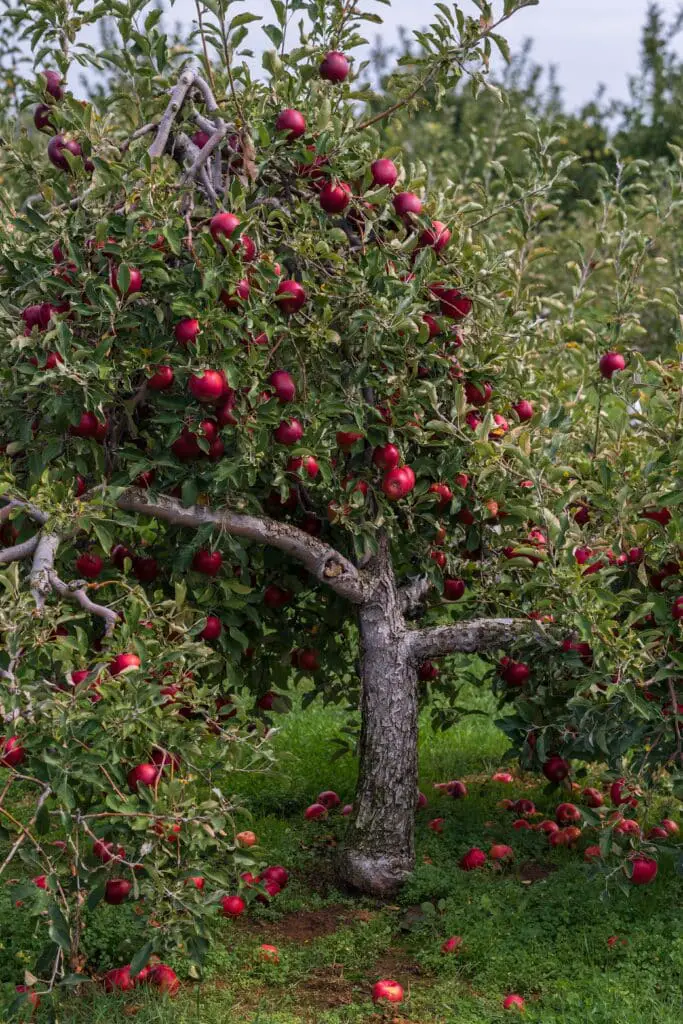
<point x="76" y="591"/>
<point x="43" y="562"/>
<point x="18" y="551"/>
<point x="178" y="97"/>
<point x="323" y="562"/>
<point x="471" y="637"/>
<point x="411" y="595"/>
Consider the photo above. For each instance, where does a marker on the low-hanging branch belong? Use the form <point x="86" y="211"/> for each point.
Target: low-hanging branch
<point x="471" y="637"/>
<point x="324" y="562"/>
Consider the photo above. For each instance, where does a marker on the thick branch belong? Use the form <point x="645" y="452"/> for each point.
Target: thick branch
<point x="178" y="96"/>
<point x="412" y="595"/>
<point x="18" y="551"/>
<point x="323" y="562"/>
<point x="76" y="591"/>
<point x="43" y="563"/>
<point x="472" y="637"/>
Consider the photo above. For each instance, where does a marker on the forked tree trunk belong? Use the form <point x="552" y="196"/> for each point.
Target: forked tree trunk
<point x="379" y="850"/>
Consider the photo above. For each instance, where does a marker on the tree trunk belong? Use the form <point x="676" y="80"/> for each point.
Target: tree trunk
<point x="379" y="850"/>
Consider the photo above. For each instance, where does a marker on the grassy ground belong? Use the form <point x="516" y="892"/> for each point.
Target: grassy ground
<point x="540" y="930"/>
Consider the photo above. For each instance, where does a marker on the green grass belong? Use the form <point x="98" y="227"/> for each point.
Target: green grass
<point x="546" y="940"/>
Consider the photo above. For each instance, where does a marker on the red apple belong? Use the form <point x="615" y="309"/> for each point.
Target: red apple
<point x="186" y="331"/>
<point x="473" y="859"/>
<point x="453" y="589"/>
<point x="592" y="797"/>
<point x="406" y="203"/>
<point x="164" y="978"/>
<point x="107" y="851"/>
<point x="307" y="462"/>
<point x="457" y="790"/>
<point x="207" y="387"/>
<point x="246" y="838"/>
<point x="306" y="659"/>
<point x="89" y="566"/>
<point x="329" y="799"/>
<point x="161" y="379"/>
<point x="143" y="775"/>
<point x="444" y="493"/>
<point x="276" y="874"/>
<point x="292" y="122"/>
<point x="283" y="385"/>
<point x="293" y="296"/>
<point x="437" y="237"/>
<point x="524" y="807"/>
<point x="232" y="906"/>
<point x="670" y="826"/>
<point x="643" y="869"/>
<point x="207" y="562"/>
<point x="592" y="853"/>
<point x="656" y="833"/>
<point x="565" y="814"/>
<point x="134" y="280"/>
<point x="452" y="302"/>
<point x="452" y="945"/>
<point x="502" y="777"/>
<point x="289" y="432"/>
<point x="499" y="851"/>
<point x="222" y="225"/>
<point x="233" y="300"/>
<point x="387" y="991"/>
<point x="610" y="363"/>
<point x="118" y="980"/>
<point x="212" y="629"/>
<point x="555" y="768"/>
<point x="53" y="84"/>
<point x="276" y="597"/>
<point x="116" y="890"/>
<point x="515" y="673"/>
<point x="514" y="1002"/>
<point x="55" y="151"/>
<point x="124" y="663"/>
<point x="520" y="824"/>
<point x="195" y="880"/>
<point x="398" y="482"/>
<point x="548" y="827"/>
<point x="315" y="811"/>
<point x="41" y="117"/>
<point x="677" y="609"/>
<point x="436" y="825"/>
<point x="384" y="172"/>
<point x="335" y="67"/>
<point x="269" y="954"/>
<point x="334" y="197"/>
<point x="524" y="410"/>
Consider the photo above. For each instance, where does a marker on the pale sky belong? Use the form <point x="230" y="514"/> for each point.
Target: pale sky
<point x="591" y="41"/>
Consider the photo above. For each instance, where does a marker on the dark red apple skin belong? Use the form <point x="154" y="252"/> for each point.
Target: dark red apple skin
<point x="116" y="891"/>
<point x="384" y="172"/>
<point x="291" y="121"/>
<point x="335" y="67"/>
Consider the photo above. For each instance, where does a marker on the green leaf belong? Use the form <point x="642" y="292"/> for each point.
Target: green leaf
<point x="43" y="821"/>
<point x="95" y="896"/>
<point x="141" y="958"/>
<point x="59" y="928"/>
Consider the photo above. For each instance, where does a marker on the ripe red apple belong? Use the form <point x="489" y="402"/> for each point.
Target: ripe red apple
<point x="208" y="386"/>
<point x="293" y="296"/>
<point x="276" y="874"/>
<point x="161" y="379"/>
<point x="186" y="447"/>
<point x="55" y="151"/>
<point x="246" y="838"/>
<point x="453" y="589"/>
<point x="335" y="197"/>
<point x="118" y="980"/>
<point x="292" y="122"/>
<point x="670" y="826"/>
<point x="592" y="797"/>
<point x="384" y="172"/>
<point x="315" y="811"/>
<point x="473" y="859"/>
<point x="398" y="482"/>
<point x="212" y="629"/>
<point x="269" y="954"/>
<point x="346" y="810"/>
<point x="515" y="673"/>
<point x="657" y="515"/>
<point x="525" y="807"/>
<point x="233" y="300"/>
<point x="116" y="890"/>
<point x="134" y="280"/>
<point x="524" y="410"/>
<point x="627" y="827"/>
<point x="307" y="462"/>
<point x="452" y="302"/>
<point x="499" y="851"/>
<point x="555" y="768"/>
<point x="87" y="426"/>
<point x="41" y="117"/>
<point x="566" y="813"/>
<point x="643" y="869"/>
<point x="610" y="363"/>
<point x="514" y="1002"/>
<point x="283" y="385"/>
<point x="443" y="491"/>
<point x="53" y="84"/>
<point x="657" y="833"/>
<point x="436" y="825"/>
<point x="143" y="775"/>
<point x="306" y="659"/>
<point x="406" y="203"/>
<point x="677" y="609"/>
<point x="232" y="906"/>
<point x="207" y="562"/>
<point x="124" y="663"/>
<point x="223" y="225"/>
<point x="387" y="991"/>
<point x="548" y="827"/>
<point x="195" y="880"/>
<point x="186" y="331"/>
<point x="457" y="790"/>
<point x="437" y="237"/>
<point x="427" y="672"/>
<point x="289" y="432"/>
<point x="502" y="777"/>
<point x="521" y="823"/>
<point x="335" y="67"/>
<point x="452" y="945"/>
<point x="200" y="139"/>
<point x="329" y="799"/>
<point x="592" y="853"/>
<point x="276" y="597"/>
<point x="164" y="978"/>
<point x="90" y="566"/>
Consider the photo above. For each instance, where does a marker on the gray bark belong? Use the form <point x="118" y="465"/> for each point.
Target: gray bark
<point x="379" y="851"/>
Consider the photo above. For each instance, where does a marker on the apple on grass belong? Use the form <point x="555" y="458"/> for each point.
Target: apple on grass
<point x="116" y="890"/>
<point x="232" y="906"/>
<point x="387" y="991"/>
